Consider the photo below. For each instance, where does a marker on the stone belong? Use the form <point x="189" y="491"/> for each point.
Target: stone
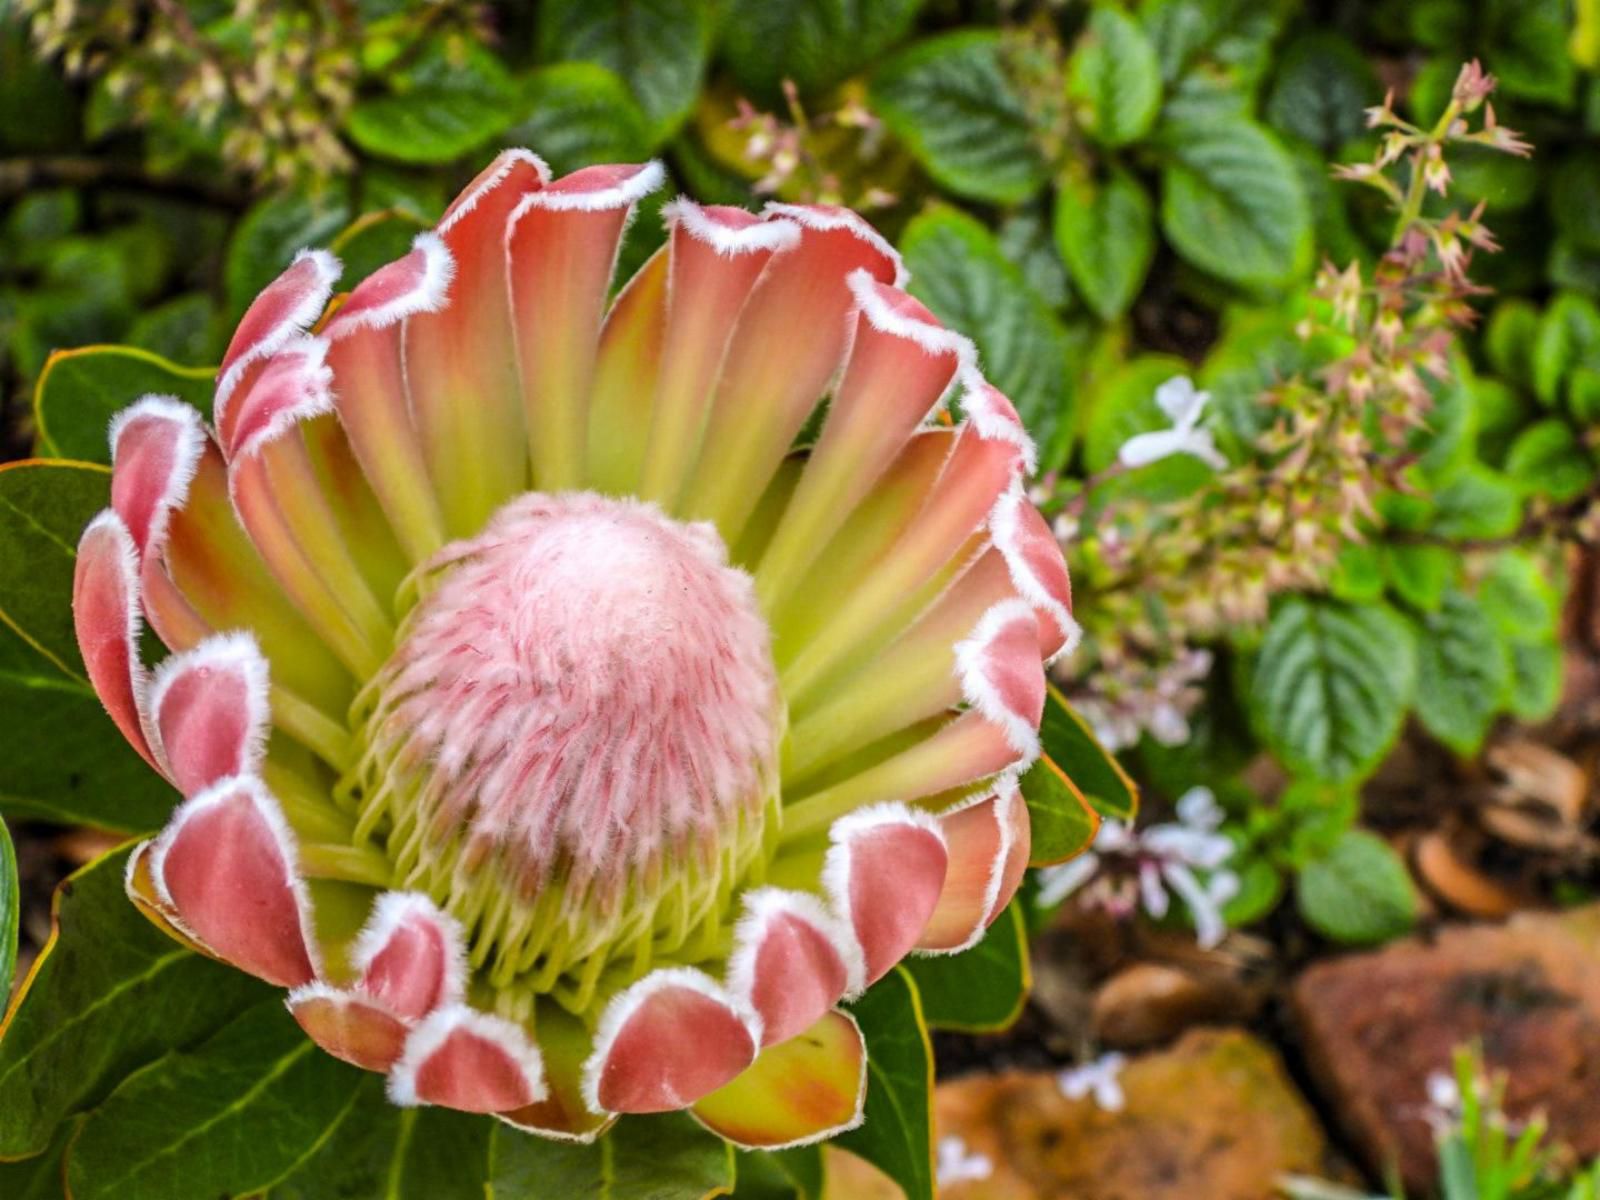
<point x="1149" y="1003"/>
<point x="1215" y="1117"/>
<point x="1376" y="1025"/>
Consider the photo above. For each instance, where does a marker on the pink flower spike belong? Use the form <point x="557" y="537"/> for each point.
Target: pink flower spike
<point x="792" y="961"/>
<point x="348" y="1026"/>
<point x="468" y="1060"/>
<point x="1038" y="570"/>
<point x="988" y="843"/>
<point x="884" y="873"/>
<point x="155" y="448"/>
<point x="669" y="1039"/>
<point x="410" y="955"/>
<point x="1001" y="675"/>
<point x="210" y="711"/>
<point x="225" y="864"/>
<point x="105" y="614"/>
<point x="284" y="310"/>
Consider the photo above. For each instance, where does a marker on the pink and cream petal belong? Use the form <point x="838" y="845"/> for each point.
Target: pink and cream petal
<point x="666" y="1041"/>
<point x="792" y="961"/>
<point x="349" y="1026"/>
<point x="155" y="447"/>
<point x="623" y="379"/>
<point x="209" y="707"/>
<point x="561" y="247"/>
<point x="225" y="865"/>
<point x="988" y="844"/>
<point x="410" y="955"/>
<point x="801" y="1090"/>
<point x="105" y="614"/>
<point x="1037" y="569"/>
<point x="140" y="886"/>
<point x="884" y="873"/>
<point x="717" y="255"/>
<point x="1001" y="675"/>
<point x="460" y="362"/>
<point x="468" y="1060"/>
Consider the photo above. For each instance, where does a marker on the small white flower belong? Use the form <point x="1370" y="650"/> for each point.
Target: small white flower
<point x="1183" y="404"/>
<point x="957" y="1164"/>
<point x="1100" y="1079"/>
<point x="1059" y="882"/>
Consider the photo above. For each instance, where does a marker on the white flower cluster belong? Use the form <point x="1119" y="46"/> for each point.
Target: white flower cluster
<point x="1101" y="1079"/>
<point x="1183" y="404"/>
<point x="1156" y="701"/>
<point x="1128" y="868"/>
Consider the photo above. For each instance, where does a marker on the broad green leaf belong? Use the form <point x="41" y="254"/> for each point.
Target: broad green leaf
<point x="1323" y="88"/>
<point x="186" y="328"/>
<point x="665" y="1157"/>
<point x="1069" y="743"/>
<point x="1569" y="336"/>
<point x="1509" y="340"/>
<point x="396" y="1153"/>
<point x="373" y="240"/>
<point x="659" y="47"/>
<point x="579" y="114"/>
<point x="794" y="1174"/>
<point x="981" y="990"/>
<point x="233" y="1116"/>
<point x="38" y="108"/>
<point x="451" y="101"/>
<point x="110" y="994"/>
<point x="1521" y="597"/>
<point x="1547" y="460"/>
<point x="10" y="909"/>
<point x="1063" y="822"/>
<point x="1331" y="684"/>
<point x="959" y="272"/>
<point x="1419" y="572"/>
<point x="949" y="100"/>
<point x="269" y="235"/>
<point x="1359" y="893"/>
<point x="1525" y="45"/>
<point x="1536" y="678"/>
<point x="897" y="1134"/>
<point x="1230" y="40"/>
<point x="1025" y="238"/>
<point x="1359" y="572"/>
<point x="1573" y="187"/>
<point x="1232" y="203"/>
<point x="39" y="1177"/>
<point x="815" y="43"/>
<point x="1106" y="232"/>
<point x="1462" y="672"/>
<point x="1113" y="78"/>
<point x="1477" y="503"/>
<point x="80" y="391"/>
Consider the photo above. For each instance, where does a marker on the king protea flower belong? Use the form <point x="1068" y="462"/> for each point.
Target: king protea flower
<point x="562" y="725"/>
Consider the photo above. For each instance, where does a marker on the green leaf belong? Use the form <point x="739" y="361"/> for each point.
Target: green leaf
<point x="110" y="993"/>
<point x="1509" y="340"/>
<point x="1062" y="820"/>
<point x="815" y="43"/>
<point x="1462" y="672"/>
<point x="452" y="100"/>
<point x="1477" y="503"/>
<point x="1331" y="684"/>
<point x="1067" y="740"/>
<point x="375" y="239"/>
<point x="1547" y="460"/>
<point x="233" y="1116"/>
<point x="948" y="98"/>
<point x="794" y="1174"/>
<point x="897" y="1134"/>
<point x="1521" y="598"/>
<point x="270" y="233"/>
<point x="579" y="114"/>
<point x="1569" y="336"/>
<point x="1025" y="238"/>
<point x="1113" y="78"/>
<point x="1419" y="572"/>
<point x="1232" y="203"/>
<point x="980" y="990"/>
<point x="1536" y="678"/>
<point x="10" y="909"/>
<point x="958" y="271"/>
<point x="665" y="1157"/>
<point x="39" y="1177"/>
<point x="1323" y="88"/>
<point x="659" y="47"/>
<point x="81" y="390"/>
<point x="1525" y="45"/>
<point x="1358" y="575"/>
<point x="1221" y="43"/>
<point x="1106" y="233"/>
<point x="1359" y="893"/>
<point x="1573" y="186"/>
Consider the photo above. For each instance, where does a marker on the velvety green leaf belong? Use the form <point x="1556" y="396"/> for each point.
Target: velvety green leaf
<point x="1260" y="888"/>
<point x="1547" y="460"/>
<point x="1358" y="575"/>
<point x="452" y="100"/>
<point x="659" y="47"/>
<point x="579" y="114"/>
<point x="81" y="390"/>
<point x="110" y="994"/>
<point x="38" y="109"/>
<point x="665" y="1157"/>
<point x="1573" y="186"/>
<point x="10" y="909"/>
<point x="396" y="1153"/>
<point x="41" y="1176"/>
<point x="1359" y="893"/>
<point x="1536" y="678"/>
<point x="1478" y="503"/>
<point x="187" y="328"/>
<point x="1106" y="232"/>
<point x="815" y="43"/>
<point x="1062" y="820"/>
<point x="1509" y="340"/>
<point x="373" y="240"/>
<point x="1525" y="45"/>
<point x="958" y="271"/>
<point x="233" y="1116"/>
<point x="897" y="1134"/>
<point x="1231" y="40"/>
<point x="1232" y="203"/>
<point x="1462" y="672"/>
<point x="269" y="235"/>
<point x="1113" y="78"/>
<point x="949" y="99"/>
<point x="1521" y="597"/>
<point x="981" y="990"/>
<point x="1323" y="88"/>
<point x="1419" y="572"/>
<point x="1069" y="743"/>
<point x="795" y="1174"/>
<point x="1569" y="336"/>
<point x="1331" y="685"/>
<point x="1025" y="238"/>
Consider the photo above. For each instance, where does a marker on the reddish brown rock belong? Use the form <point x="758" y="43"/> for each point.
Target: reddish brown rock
<point x="1377" y="1025"/>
